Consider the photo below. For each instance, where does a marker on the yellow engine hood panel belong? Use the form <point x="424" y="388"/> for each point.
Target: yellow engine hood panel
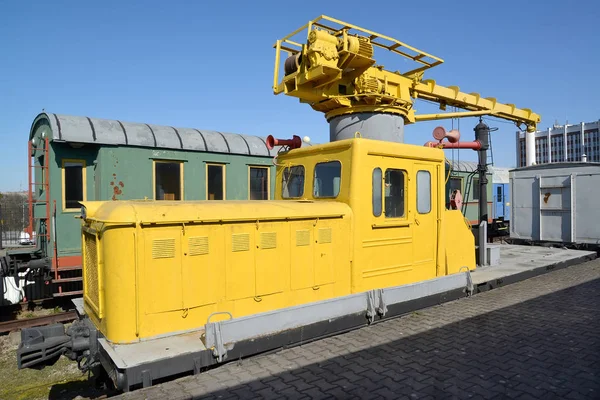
<point x="148" y="211"/>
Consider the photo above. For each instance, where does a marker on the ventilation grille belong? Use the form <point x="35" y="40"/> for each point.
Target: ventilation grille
<point x="268" y="240"/>
<point x="198" y="245"/>
<point x="302" y="238"/>
<point x="163" y="248"/>
<point x="240" y="242"/>
<point x="325" y="235"/>
<point x="91" y="270"/>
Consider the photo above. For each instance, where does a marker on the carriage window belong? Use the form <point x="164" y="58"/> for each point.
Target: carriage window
<point x="394" y="193"/>
<point x="453" y="184"/>
<point x="293" y="182"/>
<point x="259" y="183"/>
<point x="73" y="184"/>
<point x="475" y="189"/>
<point x="423" y="192"/>
<point x="215" y="182"/>
<point x="376" y="184"/>
<point x="167" y="180"/>
<point x="327" y="179"/>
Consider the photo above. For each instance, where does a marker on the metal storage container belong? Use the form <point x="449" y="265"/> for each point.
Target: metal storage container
<point x="556" y="203"/>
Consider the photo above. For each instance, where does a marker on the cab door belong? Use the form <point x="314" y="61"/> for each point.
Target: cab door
<point x="386" y="237"/>
<point x="425" y="220"/>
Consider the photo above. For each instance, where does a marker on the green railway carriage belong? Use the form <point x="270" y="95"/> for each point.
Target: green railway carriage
<point x="73" y="159"/>
<point x="464" y="177"/>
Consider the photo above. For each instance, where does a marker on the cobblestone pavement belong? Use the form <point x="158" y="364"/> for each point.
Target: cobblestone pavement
<point x="536" y="339"/>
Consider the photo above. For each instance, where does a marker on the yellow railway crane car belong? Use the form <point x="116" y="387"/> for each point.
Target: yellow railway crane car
<point x="358" y="232"/>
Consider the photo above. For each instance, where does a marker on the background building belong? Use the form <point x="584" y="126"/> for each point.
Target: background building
<point x="562" y="143"/>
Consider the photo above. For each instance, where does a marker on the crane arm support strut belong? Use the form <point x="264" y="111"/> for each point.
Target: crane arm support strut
<point x="452" y="96"/>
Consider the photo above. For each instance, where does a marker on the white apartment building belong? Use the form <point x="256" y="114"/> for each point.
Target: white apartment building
<point x="562" y="143"/>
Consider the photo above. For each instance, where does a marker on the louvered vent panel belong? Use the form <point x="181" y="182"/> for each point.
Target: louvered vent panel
<point x="325" y="235"/>
<point x="240" y="242"/>
<point x="91" y="270"/>
<point x="198" y="245"/>
<point x="268" y="240"/>
<point x="302" y="238"/>
<point x="163" y="248"/>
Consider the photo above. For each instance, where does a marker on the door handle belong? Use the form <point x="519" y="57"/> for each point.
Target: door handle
<point x="417" y="221"/>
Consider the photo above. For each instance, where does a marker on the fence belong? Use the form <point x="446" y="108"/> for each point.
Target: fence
<point x="14" y="219"/>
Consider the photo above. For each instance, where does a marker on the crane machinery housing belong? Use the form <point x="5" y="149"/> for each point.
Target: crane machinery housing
<point x="357" y="233"/>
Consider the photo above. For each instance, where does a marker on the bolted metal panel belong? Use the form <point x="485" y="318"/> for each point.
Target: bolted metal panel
<point x="463" y="166"/>
<point x="192" y="139"/>
<point x="378" y="126"/>
<point x="236" y="143"/>
<point x="110" y="130"/>
<point x="215" y="142"/>
<point x="76" y="129"/>
<point x="258" y="146"/>
<point x="555" y="202"/>
<point x="166" y="137"/>
<point x="137" y="134"/>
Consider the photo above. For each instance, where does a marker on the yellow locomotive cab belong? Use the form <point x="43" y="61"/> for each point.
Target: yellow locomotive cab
<point x="157" y="268"/>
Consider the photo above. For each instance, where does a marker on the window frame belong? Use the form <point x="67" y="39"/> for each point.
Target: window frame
<point x="405" y="182"/>
<point x="417" y="191"/>
<point x="166" y="161"/>
<point x="224" y="178"/>
<point x="474" y="186"/>
<point x="83" y="182"/>
<point x="268" y="179"/>
<point x="314" y="174"/>
<point x="303" y="182"/>
<point x="380" y="186"/>
<point x="448" y="186"/>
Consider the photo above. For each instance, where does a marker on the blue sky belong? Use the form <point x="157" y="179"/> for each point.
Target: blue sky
<point x="209" y="65"/>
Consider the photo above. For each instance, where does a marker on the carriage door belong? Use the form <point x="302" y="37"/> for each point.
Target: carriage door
<point x="425" y="238"/>
<point x="499" y="201"/>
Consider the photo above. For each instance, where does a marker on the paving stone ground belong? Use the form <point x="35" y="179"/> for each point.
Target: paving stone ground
<point x="536" y="339"/>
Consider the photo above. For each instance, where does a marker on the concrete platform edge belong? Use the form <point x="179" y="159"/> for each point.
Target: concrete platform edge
<point x="521" y="276"/>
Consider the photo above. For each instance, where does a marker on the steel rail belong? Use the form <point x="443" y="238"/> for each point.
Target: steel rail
<point x="13" y="325"/>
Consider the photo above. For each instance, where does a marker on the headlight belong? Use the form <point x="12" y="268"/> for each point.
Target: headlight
<point x="83" y="213"/>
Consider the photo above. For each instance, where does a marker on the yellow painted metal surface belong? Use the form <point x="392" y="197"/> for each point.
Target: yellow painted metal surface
<point x="160" y="267"/>
<point x="334" y="70"/>
<point x="163" y="267"/>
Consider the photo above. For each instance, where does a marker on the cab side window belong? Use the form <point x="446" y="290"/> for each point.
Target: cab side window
<point x="423" y="192"/>
<point x="293" y="182"/>
<point x="327" y="179"/>
<point x="394" y="193"/>
<point x="376" y="184"/>
<point x="389" y="192"/>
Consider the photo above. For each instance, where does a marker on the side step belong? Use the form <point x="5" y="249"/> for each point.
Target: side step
<point x="65" y="280"/>
<point x="74" y="293"/>
<point x="70" y="268"/>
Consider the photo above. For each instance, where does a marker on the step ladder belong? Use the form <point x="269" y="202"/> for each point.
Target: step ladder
<point x="39" y="224"/>
<point x="39" y="193"/>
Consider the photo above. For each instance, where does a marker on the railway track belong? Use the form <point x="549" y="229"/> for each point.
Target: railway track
<point x="13" y="325"/>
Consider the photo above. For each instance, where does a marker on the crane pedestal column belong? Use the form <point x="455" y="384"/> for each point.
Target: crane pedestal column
<point x="482" y="134"/>
<point x="370" y="125"/>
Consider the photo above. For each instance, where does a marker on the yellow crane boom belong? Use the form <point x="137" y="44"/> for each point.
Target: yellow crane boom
<point x="335" y="72"/>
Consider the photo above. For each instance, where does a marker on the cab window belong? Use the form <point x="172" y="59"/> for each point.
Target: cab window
<point x="423" y="192"/>
<point x="394" y="193"/>
<point x="376" y="185"/>
<point x="327" y="179"/>
<point x="293" y="182"/>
